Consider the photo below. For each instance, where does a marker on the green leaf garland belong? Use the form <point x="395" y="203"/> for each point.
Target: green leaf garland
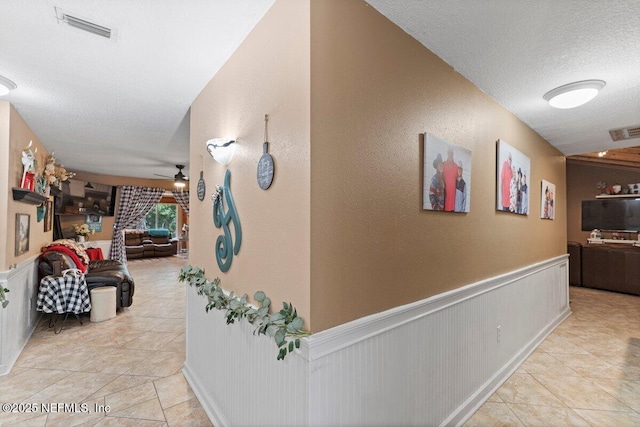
<point x="284" y="326"/>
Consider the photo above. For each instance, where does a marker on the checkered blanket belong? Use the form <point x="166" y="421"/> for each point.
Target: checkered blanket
<point x="64" y="294"/>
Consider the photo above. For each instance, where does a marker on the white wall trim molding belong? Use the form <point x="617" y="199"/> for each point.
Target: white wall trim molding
<point x="19" y="319"/>
<point x="432" y="362"/>
<point x="335" y="339"/>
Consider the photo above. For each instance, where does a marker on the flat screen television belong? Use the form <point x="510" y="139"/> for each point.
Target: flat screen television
<point x="611" y="214"/>
<point x="85" y="198"/>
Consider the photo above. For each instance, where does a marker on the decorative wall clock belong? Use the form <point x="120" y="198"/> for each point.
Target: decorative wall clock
<point x="265" y="165"/>
<point x="202" y="188"/>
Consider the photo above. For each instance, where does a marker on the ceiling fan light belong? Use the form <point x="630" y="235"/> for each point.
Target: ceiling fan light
<point x="6" y="86"/>
<point x="180" y="184"/>
<point x="573" y="94"/>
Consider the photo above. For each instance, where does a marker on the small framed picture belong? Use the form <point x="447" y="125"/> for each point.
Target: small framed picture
<point x="48" y="216"/>
<point x="547" y="200"/>
<point x="22" y="233"/>
<point x="94" y="222"/>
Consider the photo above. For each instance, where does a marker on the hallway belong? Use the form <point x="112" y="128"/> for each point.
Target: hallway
<point x="132" y="363"/>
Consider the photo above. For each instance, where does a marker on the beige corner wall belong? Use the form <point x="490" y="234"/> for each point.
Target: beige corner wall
<point x="581" y="185"/>
<point x="374" y="89"/>
<point x="268" y="74"/>
<point x="19" y="136"/>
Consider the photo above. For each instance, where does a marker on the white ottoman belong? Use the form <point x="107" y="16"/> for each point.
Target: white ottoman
<point x="103" y="303"/>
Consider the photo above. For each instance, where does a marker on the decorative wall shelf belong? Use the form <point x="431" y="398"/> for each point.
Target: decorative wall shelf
<point x="618" y="196"/>
<point x="613" y="241"/>
<point x="27" y="196"/>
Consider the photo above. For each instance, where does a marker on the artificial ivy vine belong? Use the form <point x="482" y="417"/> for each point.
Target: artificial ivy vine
<point x="3" y="298"/>
<point x="285" y="326"/>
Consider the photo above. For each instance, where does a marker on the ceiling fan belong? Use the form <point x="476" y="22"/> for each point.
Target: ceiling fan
<point x="179" y="179"/>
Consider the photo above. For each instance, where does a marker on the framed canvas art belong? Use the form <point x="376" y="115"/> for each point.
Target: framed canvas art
<point x="547" y="200"/>
<point x="513" y="180"/>
<point x="22" y="233"/>
<point x="446" y="175"/>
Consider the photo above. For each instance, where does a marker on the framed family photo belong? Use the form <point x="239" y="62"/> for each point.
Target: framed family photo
<point x="513" y="181"/>
<point x="446" y="175"/>
<point x="22" y="233"/>
<point x="547" y="200"/>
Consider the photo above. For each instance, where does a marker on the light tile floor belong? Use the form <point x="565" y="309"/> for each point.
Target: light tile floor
<point x="132" y="363"/>
<point x="586" y="373"/>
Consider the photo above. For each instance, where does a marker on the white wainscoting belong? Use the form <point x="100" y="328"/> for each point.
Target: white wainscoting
<point x="19" y="319"/>
<point x="235" y="374"/>
<point x="432" y="362"/>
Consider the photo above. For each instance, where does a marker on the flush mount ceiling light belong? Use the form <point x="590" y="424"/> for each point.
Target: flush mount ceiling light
<point x="222" y="149"/>
<point x="6" y="86"/>
<point x="573" y="94"/>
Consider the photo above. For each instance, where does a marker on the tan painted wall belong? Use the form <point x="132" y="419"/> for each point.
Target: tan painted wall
<point x="268" y="74"/>
<point x="19" y="136"/>
<point x="581" y="185"/>
<point x="374" y="89"/>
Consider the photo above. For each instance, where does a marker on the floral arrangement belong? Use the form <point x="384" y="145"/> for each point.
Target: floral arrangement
<point x="83" y="230"/>
<point x="54" y="172"/>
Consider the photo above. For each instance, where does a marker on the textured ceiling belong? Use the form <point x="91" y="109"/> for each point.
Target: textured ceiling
<point x="517" y="50"/>
<point x="121" y="106"/>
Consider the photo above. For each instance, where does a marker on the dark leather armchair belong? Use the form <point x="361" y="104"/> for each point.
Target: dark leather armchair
<point x="99" y="273"/>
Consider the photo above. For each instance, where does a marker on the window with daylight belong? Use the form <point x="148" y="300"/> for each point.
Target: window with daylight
<point x="163" y="215"/>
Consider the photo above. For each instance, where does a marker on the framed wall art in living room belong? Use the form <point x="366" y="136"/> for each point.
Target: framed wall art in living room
<point x="48" y="216"/>
<point x="22" y="233"/>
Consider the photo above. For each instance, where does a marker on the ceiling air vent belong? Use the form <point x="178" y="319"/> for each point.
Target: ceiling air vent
<point x="82" y="23"/>
<point x="630" y="132"/>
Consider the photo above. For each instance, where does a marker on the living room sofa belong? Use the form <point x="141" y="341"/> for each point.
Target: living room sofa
<point x="155" y="242"/>
<point x="97" y="273"/>
<point x="611" y="267"/>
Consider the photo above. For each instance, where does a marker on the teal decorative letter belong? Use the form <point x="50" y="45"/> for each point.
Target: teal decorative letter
<point x="225" y="247"/>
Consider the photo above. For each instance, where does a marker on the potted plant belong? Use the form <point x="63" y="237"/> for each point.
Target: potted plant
<point x="82" y="232"/>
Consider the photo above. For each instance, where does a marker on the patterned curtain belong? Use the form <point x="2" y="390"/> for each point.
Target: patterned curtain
<point x="182" y="197"/>
<point x="135" y="204"/>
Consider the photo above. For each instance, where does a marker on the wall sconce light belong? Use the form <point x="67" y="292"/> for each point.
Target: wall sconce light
<point x="222" y="149"/>
<point x="6" y="86"/>
<point x="573" y="94"/>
